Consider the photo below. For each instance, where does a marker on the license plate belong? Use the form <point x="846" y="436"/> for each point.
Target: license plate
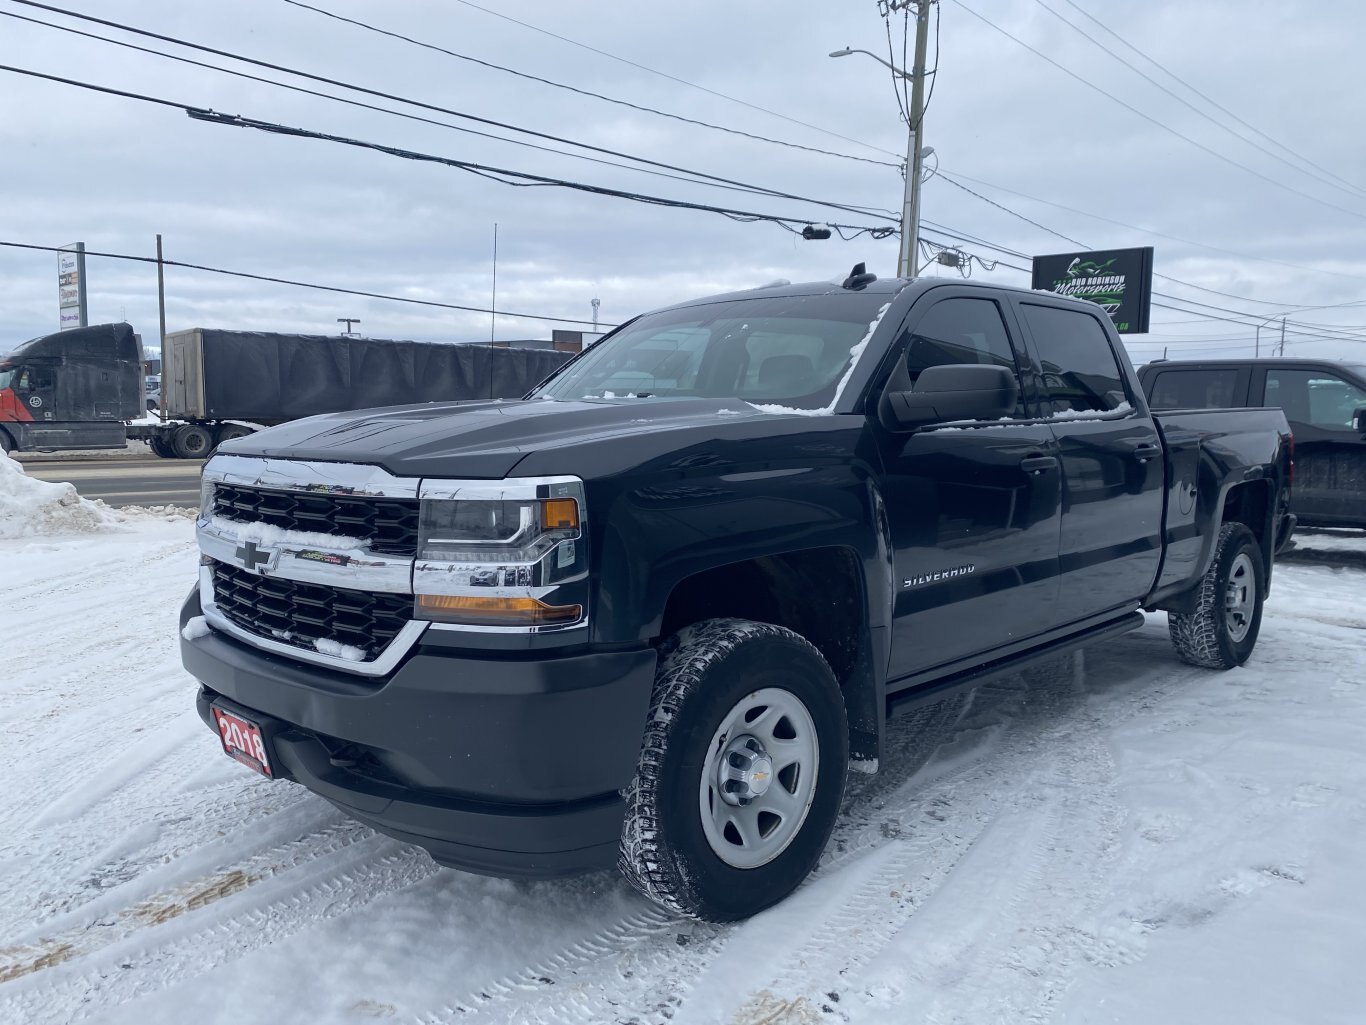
<point x="242" y="740"/>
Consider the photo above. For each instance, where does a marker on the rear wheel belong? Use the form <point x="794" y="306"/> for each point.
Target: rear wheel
<point x="741" y="772"/>
<point x="191" y="441"/>
<point x="232" y="432"/>
<point x="1222" y="631"/>
<point x="6" y="443"/>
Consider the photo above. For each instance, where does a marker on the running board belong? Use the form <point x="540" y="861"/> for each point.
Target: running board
<point x="917" y="696"/>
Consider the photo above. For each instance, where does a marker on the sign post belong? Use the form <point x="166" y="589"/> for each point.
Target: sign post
<point x="1120" y="281"/>
<point x="71" y="308"/>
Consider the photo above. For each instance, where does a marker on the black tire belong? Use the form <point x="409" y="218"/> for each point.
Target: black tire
<point x="191" y="441"/>
<point x="161" y="447"/>
<point x="232" y="432"/>
<point x="1218" y="634"/>
<point x="706" y="671"/>
<point x="6" y="443"/>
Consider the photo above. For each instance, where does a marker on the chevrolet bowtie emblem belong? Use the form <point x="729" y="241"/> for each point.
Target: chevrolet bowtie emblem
<point x="252" y="557"/>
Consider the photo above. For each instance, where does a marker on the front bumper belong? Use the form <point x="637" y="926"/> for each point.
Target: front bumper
<point x="502" y="765"/>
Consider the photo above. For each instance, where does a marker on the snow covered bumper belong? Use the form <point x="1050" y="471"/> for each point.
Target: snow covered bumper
<point x="506" y="763"/>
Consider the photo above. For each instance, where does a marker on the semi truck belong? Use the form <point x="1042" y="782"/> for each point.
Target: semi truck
<point x="77" y="389"/>
<point x="72" y="389"/>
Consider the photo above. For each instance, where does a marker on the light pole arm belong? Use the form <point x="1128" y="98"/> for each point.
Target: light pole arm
<point x="886" y="64"/>
<point x="909" y="249"/>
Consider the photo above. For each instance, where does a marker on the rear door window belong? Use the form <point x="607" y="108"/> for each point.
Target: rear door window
<point x="1080" y="371"/>
<point x="1314" y="397"/>
<point x="1210" y="388"/>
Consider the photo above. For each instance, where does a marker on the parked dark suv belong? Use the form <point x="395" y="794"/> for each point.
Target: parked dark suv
<point x="1324" y="401"/>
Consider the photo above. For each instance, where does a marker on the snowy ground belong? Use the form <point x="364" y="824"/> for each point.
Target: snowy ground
<point x="1125" y="839"/>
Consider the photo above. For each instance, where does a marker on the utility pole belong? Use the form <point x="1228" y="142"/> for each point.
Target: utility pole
<point x="596" y="302"/>
<point x="493" y="306"/>
<point x="1282" y="352"/>
<point x="161" y="311"/>
<point x="348" y="321"/>
<point x="910" y="210"/>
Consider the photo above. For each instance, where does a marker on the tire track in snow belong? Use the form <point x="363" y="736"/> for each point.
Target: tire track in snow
<point x="187" y="937"/>
<point x="648" y="964"/>
<point x="82" y="873"/>
<point x="115" y="916"/>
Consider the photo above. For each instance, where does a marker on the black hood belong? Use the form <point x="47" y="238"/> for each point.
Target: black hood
<point x="481" y="440"/>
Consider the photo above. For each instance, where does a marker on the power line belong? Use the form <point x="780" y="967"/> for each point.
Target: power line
<point x="505" y="176"/>
<point x="1014" y="213"/>
<point x="308" y="284"/>
<point x="1084" y="245"/>
<point x="933" y="74"/>
<point x="387" y="110"/>
<point x="421" y="104"/>
<point x="1350" y="190"/>
<point x="575" y="89"/>
<point x="1152" y="120"/>
<point x="1148" y="231"/>
<point x="1212" y="102"/>
<point x="1244" y="318"/>
<point x="674" y="78"/>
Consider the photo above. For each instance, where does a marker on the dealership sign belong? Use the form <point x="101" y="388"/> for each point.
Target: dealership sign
<point x="71" y="311"/>
<point x="1120" y="281"/>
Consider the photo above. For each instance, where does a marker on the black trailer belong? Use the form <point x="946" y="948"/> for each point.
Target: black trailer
<point x="219" y="385"/>
<point x="71" y="389"/>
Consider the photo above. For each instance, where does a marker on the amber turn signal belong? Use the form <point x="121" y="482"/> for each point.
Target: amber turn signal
<point x="480" y="611"/>
<point x="559" y="514"/>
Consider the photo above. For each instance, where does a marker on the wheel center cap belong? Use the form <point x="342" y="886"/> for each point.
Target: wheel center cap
<point x="745" y="770"/>
<point x="760" y="775"/>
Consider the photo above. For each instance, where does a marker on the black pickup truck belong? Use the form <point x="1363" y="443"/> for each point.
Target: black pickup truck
<point x="653" y="613"/>
<point x="1324" y="401"/>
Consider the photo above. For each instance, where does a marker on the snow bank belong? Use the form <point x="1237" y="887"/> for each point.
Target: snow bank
<point x="29" y="507"/>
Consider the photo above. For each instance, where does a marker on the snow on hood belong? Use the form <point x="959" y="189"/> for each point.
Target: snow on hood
<point x="30" y="507"/>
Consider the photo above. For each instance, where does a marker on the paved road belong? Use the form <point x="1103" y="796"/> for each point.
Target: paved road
<point x="122" y="481"/>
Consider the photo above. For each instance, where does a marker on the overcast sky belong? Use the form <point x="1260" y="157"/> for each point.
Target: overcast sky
<point x="1276" y="235"/>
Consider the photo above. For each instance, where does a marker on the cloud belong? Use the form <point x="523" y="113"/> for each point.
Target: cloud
<point x="113" y="172"/>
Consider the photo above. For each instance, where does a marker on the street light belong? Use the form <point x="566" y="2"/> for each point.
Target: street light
<point x="915" y="152"/>
<point x="1257" y="343"/>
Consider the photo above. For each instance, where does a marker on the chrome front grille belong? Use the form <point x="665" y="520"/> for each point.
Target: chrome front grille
<point x="301" y="614"/>
<point x="387" y="525"/>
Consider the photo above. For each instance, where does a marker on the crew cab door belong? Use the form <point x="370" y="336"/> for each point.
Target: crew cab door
<point x="1330" y="453"/>
<point x="973" y="507"/>
<point x="1112" y="463"/>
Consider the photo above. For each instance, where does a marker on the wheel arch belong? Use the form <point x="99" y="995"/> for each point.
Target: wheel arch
<point x="824" y="595"/>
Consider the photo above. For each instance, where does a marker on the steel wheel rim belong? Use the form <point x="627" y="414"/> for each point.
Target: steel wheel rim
<point x="751" y="812"/>
<point x="1240" y="597"/>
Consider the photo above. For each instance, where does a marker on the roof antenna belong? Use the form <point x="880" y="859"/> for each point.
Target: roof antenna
<point x="858" y="278"/>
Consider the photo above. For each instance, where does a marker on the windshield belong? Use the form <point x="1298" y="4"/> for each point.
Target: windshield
<point x="7" y="376"/>
<point x="788" y="351"/>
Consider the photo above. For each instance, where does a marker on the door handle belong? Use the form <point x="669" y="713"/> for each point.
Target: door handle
<point x="1038" y="464"/>
<point x="1147" y="451"/>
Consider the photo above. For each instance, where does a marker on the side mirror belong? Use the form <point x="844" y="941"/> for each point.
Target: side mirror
<point x="1359" y="420"/>
<point x="966" y="391"/>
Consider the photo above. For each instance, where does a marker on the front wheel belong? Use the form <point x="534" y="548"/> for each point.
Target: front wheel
<point x="1222" y="631"/>
<point x="741" y="772"/>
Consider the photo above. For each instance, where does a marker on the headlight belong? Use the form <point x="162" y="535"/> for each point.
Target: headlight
<point x="505" y="554"/>
<point x="205" y="497"/>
